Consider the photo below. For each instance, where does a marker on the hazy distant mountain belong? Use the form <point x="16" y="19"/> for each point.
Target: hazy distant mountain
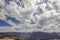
<point x="32" y="36"/>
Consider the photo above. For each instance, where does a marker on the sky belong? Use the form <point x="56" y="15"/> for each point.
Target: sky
<point x="29" y="15"/>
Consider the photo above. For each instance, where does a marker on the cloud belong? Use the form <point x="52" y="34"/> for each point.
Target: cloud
<point x="21" y="12"/>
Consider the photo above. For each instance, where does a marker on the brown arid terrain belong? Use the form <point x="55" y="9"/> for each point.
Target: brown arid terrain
<point x="6" y="38"/>
<point x="11" y="38"/>
<point x="15" y="38"/>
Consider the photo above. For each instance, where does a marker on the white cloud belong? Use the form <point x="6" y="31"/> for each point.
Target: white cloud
<point x="24" y="14"/>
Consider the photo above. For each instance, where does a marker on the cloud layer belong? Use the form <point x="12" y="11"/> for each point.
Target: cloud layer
<point x="30" y="15"/>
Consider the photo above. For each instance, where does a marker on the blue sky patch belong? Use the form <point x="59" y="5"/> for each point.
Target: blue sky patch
<point x="14" y="20"/>
<point x="3" y="23"/>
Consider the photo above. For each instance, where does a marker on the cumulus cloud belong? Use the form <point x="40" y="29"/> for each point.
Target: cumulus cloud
<point x="34" y="15"/>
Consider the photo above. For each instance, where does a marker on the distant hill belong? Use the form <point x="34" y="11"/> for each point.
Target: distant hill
<point x="34" y="35"/>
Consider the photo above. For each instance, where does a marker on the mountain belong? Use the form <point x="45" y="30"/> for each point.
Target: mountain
<point x="33" y="35"/>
